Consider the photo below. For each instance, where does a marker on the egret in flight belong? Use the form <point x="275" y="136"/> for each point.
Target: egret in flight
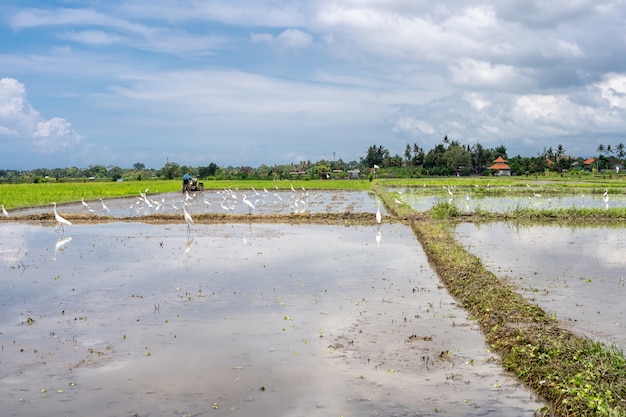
<point x="60" y="220"/>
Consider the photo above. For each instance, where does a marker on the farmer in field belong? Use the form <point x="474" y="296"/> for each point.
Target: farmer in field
<point x="186" y="181"/>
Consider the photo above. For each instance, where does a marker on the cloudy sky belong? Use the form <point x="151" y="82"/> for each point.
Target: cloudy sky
<point x="251" y="82"/>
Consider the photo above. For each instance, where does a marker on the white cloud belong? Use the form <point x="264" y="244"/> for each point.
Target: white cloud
<point x="476" y="101"/>
<point x="481" y="74"/>
<point x="20" y="121"/>
<point x="411" y="126"/>
<point x="262" y="37"/>
<point x="293" y="38"/>
<point x="93" y="37"/>
<point x="289" y="38"/>
<point x="613" y="89"/>
<point x="54" y="135"/>
<point x="17" y="117"/>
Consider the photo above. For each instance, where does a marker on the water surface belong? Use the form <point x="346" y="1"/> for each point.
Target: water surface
<point x="245" y="320"/>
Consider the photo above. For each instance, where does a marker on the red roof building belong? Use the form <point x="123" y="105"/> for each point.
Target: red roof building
<point x="501" y="167"/>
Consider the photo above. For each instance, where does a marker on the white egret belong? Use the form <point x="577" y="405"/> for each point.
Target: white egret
<point x="379" y="217"/>
<point x="60" y="220"/>
<point x="85" y="204"/>
<point x="104" y="206"/>
<point x="249" y="204"/>
<point x="188" y="219"/>
<point x="4" y="211"/>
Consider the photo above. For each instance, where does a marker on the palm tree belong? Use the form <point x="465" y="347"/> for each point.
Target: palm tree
<point x="621" y="152"/>
<point x="560" y="151"/>
<point x="600" y="149"/>
<point x="609" y="149"/>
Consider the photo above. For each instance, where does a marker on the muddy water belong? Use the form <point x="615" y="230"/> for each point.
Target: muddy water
<point x="245" y="320"/>
<point x="577" y="274"/>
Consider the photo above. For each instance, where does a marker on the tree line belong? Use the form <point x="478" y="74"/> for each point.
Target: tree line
<point x="450" y="157"/>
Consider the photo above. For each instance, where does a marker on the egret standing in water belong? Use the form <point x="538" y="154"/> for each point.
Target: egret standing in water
<point x="188" y="219"/>
<point x="60" y="220"/>
<point x="104" y="206"/>
<point x="4" y="211"/>
<point x="379" y="217"/>
<point x="249" y="204"/>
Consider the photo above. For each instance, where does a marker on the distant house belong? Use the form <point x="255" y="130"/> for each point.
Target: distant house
<point x="501" y="167"/>
<point x="354" y="174"/>
<point x="588" y="163"/>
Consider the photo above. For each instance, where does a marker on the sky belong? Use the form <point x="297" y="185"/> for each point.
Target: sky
<point x="252" y="82"/>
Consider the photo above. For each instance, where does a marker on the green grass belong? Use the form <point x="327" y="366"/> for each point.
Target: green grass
<point x="34" y="195"/>
<point x="39" y="194"/>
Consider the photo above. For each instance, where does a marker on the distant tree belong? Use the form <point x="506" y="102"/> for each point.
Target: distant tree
<point x="501" y="151"/>
<point x="418" y="155"/>
<point x="96" y="171"/>
<point x="608" y="149"/>
<point x="170" y="171"/>
<point x="115" y="172"/>
<point x="139" y="166"/>
<point x="456" y="157"/>
<point x="393" y="161"/>
<point x="600" y="149"/>
<point x="208" y="171"/>
<point x="560" y="151"/>
<point x="407" y="155"/>
<point x="621" y="152"/>
<point x="434" y="157"/>
<point x="375" y="156"/>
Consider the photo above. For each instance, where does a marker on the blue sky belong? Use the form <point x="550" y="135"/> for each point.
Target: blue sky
<point x="273" y="82"/>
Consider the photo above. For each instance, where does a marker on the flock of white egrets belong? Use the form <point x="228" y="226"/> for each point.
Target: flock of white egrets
<point x="228" y="199"/>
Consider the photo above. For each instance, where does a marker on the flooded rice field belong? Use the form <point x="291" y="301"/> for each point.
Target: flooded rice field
<point x="503" y="204"/>
<point x="242" y="320"/>
<point x="224" y="202"/>
<point x="575" y="273"/>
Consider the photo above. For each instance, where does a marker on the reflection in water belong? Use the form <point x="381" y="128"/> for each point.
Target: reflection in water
<point x="60" y="244"/>
<point x="504" y="204"/>
<point x="349" y="322"/>
<point x="246" y="235"/>
<point x="577" y="274"/>
<point x="190" y="241"/>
